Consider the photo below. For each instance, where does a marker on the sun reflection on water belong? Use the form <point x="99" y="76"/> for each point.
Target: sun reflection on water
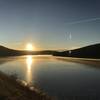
<point x="29" y="61"/>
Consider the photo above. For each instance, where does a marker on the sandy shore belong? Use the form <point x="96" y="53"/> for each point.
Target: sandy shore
<point x="10" y="89"/>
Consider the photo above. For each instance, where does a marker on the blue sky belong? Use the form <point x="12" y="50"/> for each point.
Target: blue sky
<point x="47" y="24"/>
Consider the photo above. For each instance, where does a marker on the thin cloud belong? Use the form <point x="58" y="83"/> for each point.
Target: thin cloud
<point x="83" y="21"/>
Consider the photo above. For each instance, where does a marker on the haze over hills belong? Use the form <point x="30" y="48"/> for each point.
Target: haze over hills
<point x="92" y="51"/>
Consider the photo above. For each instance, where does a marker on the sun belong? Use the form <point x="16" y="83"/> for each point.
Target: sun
<point x="29" y="47"/>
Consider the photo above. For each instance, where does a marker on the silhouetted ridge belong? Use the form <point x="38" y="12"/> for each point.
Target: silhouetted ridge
<point x="92" y="51"/>
<point x="4" y="51"/>
<point x="2" y="48"/>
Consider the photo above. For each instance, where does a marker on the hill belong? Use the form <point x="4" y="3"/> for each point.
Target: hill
<point x="7" y="52"/>
<point x="92" y="51"/>
<point x="4" y="51"/>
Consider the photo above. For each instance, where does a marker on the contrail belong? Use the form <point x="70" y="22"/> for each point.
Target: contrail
<point x="82" y="21"/>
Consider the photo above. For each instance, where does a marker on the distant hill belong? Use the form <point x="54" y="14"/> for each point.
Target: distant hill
<point x="92" y="51"/>
<point x="4" y="51"/>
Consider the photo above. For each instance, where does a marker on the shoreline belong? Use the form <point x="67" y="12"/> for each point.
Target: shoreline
<point x="10" y="89"/>
<point x="88" y="61"/>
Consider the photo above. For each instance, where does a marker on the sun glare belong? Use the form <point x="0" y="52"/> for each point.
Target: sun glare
<point x="29" y="61"/>
<point x="30" y="47"/>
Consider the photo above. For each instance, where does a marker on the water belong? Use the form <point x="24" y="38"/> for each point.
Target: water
<point x="62" y="79"/>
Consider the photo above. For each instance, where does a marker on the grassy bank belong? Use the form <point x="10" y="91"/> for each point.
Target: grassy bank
<point x="10" y="89"/>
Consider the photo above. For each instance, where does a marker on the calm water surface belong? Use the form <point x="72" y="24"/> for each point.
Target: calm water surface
<point x="62" y="79"/>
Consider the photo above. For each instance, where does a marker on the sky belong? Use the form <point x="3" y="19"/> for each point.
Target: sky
<point x="49" y="24"/>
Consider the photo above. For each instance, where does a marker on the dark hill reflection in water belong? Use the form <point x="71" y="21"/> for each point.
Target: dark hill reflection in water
<point x="64" y="79"/>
